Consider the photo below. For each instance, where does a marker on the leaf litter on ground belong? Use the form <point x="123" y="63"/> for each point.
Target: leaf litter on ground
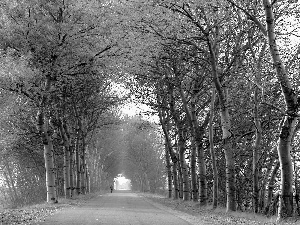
<point x="207" y="215"/>
<point x="30" y="215"/>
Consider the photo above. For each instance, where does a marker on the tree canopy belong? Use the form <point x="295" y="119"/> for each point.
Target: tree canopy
<point x="221" y="77"/>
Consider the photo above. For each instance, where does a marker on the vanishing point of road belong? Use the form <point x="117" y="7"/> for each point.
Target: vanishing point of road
<point x="113" y="209"/>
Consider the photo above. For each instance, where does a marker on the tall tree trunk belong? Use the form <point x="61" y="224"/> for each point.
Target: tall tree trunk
<point x="11" y="194"/>
<point x="192" y="127"/>
<point x="262" y="195"/>
<point x="10" y="180"/>
<point x="227" y="134"/>
<point x="184" y="169"/>
<point x="83" y="166"/>
<point x="212" y="151"/>
<point x="78" y="164"/>
<point x="169" y="172"/>
<point x="258" y="130"/>
<point x="175" y="180"/>
<point x="194" y="180"/>
<point x="255" y="167"/>
<point x="48" y="156"/>
<point x="88" y="181"/>
<point x="271" y="187"/>
<point x="199" y="133"/>
<point x="67" y="172"/>
<point x="287" y="130"/>
<point x="43" y="126"/>
<point x="71" y="171"/>
<point x="164" y="121"/>
<point x="66" y="168"/>
<point x="180" y="179"/>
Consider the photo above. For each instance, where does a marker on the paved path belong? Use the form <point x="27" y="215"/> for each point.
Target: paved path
<point x="116" y="208"/>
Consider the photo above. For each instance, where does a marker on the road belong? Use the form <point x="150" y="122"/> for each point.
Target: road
<point x="115" y="208"/>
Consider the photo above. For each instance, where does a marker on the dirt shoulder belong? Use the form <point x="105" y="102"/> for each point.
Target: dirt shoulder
<point x="195" y="214"/>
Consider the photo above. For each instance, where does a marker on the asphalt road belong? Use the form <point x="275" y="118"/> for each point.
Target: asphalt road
<point x="115" y="208"/>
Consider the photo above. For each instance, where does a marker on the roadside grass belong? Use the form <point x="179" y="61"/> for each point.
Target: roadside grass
<point x="33" y="214"/>
<point x="219" y="215"/>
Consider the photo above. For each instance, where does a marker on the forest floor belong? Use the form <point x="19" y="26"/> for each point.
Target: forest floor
<point x="207" y="215"/>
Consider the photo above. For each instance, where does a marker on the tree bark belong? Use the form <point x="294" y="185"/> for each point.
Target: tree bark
<point x="164" y="121"/>
<point x="10" y="191"/>
<point x="193" y="152"/>
<point x="78" y="165"/>
<point x="66" y="169"/>
<point x="169" y="172"/>
<point x="43" y="129"/>
<point x="48" y="156"/>
<point x="88" y="181"/>
<point x="263" y="189"/>
<point x="194" y="186"/>
<point x="271" y="187"/>
<point x="184" y="169"/>
<point x="10" y="181"/>
<point x="288" y="127"/>
<point x="71" y="171"/>
<point x="227" y="134"/>
<point x="255" y="167"/>
<point x="175" y="181"/>
<point x="212" y="151"/>
<point x="83" y="167"/>
<point x="199" y="133"/>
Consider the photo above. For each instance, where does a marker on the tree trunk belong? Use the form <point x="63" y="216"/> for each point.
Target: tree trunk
<point x="71" y="168"/>
<point x="11" y="194"/>
<point x="88" y="182"/>
<point x="184" y="169"/>
<point x="288" y="127"/>
<point x="78" y="165"/>
<point x="271" y="187"/>
<point x="67" y="172"/>
<point x="192" y="127"/>
<point x="175" y="181"/>
<point x="230" y="175"/>
<point x="212" y="151"/>
<point x="83" y="167"/>
<point x="199" y="133"/>
<point x="262" y="196"/>
<point x="164" y="121"/>
<point x="66" y="169"/>
<point x="169" y="172"/>
<point x="43" y="126"/>
<point x="48" y="156"/>
<point x="194" y="181"/>
<point x="255" y="169"/>
<point x="10" y="180"/>
<point x="227" y="134"/>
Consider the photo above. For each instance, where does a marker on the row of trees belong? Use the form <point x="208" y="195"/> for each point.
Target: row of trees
<point x="60" y="66"/>
<point x="227" y="98"/>
<point x="56" y="92"/>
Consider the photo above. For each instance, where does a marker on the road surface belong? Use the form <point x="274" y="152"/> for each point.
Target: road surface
<point x="115" y="208"/>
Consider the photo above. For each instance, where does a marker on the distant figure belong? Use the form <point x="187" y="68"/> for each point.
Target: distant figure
<point x="111" y="188"/>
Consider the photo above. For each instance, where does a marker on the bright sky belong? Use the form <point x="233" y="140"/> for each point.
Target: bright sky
<point x="131" y="108"/>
